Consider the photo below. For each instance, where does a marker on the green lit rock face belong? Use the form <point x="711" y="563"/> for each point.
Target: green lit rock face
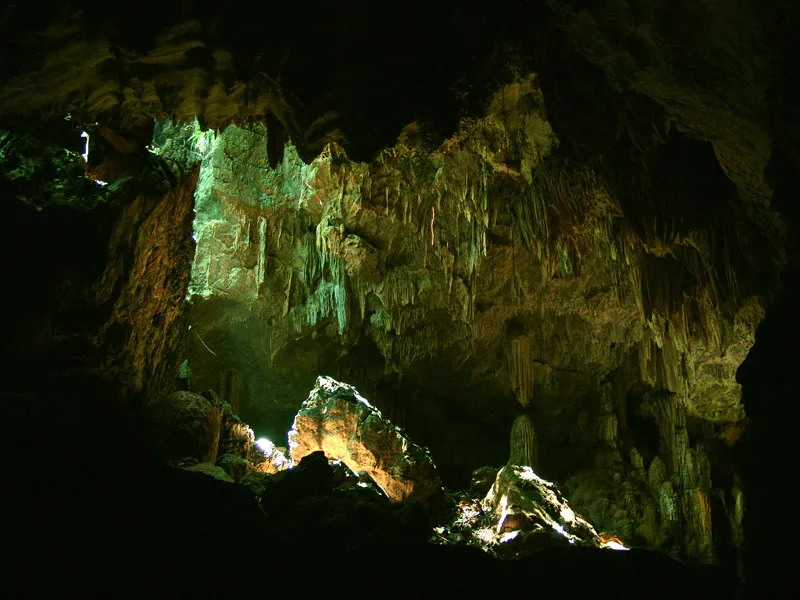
<point x="453" y="273"/>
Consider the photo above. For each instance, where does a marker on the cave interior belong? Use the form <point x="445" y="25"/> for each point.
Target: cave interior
<point x="558" y="235"/>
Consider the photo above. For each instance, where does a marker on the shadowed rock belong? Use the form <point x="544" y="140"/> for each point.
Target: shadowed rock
<point x="185" y="425"/>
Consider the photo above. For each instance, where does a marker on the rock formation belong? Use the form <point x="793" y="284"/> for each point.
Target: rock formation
<point x="433" y="260"/>
<point x="522" y="501"/>
<point x="524" y="444"/>
<point x="585" y="215"/>
<point x="519" y="515"/>
<point x="338" y="421"/>
<point x="185" y="425"/>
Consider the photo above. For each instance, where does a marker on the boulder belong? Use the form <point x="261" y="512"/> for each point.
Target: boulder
<point x="313" y="476"/>
<point x="235" y="466"/>
<point x="482" y="479"/>
<point x="184" y="425"/>
<point x="340" y="422"/>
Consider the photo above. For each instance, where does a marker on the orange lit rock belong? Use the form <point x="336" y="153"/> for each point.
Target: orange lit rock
<point x="242" y="453"/>
<point x="345" y="426"/>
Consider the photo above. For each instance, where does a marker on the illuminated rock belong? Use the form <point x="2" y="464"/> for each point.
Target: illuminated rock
<point x="345" y="426"/>
<point x="521" y="515"/>
<point x="266" y="457"/>
<point x="241" y="451"/>
<point x="525" y="503"/>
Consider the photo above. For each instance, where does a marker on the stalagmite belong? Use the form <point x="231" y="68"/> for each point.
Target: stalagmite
<point x="697" y="509"/>
<point x="524" y="443"/>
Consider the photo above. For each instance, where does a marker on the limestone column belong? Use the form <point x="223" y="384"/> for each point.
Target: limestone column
<point x="524" y="443"/>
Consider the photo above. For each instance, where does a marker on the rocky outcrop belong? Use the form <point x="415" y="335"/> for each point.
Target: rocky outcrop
<point x="210" y="470"/>
<point x="524" y="502"/>
<point x="520" y="514"/>
<point x="109" y="311"/>
<point x="200" y="432"/>
<point x="338" y="421"/>
<point x="145" y="282"/>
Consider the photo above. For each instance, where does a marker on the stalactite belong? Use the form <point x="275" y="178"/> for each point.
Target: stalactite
<point x="656" y="475"/>
<point x="340" y="299"/>
<point x="288" y="293"/>
<point x="560" y="216"/>
<point x="670" y="416"/>
<point x="519" y="360"/>
<point x="262" y="253"/>
<point x="607" y="428"/>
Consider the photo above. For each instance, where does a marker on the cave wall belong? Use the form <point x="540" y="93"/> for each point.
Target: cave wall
<point x="146" y="280"/>
<point x="97" y="277"/>
<point x="491" y="276"/>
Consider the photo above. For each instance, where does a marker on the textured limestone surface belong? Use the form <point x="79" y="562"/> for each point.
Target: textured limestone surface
<point x="521" y="500"/>
<point x="338" y="421"/>
<point x="489" y="273"/>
